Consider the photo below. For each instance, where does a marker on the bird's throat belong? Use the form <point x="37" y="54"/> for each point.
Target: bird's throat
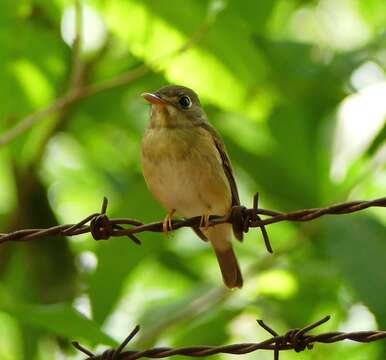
<point x="164" y="116"/>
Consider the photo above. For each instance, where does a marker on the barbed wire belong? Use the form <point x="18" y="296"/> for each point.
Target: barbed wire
<point x="294" y="339"/>
<point x="103" y="228"/>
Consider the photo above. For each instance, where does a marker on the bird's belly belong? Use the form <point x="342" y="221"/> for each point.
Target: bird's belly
<point x="176" y="185"/>
<point x="192" y="183"/>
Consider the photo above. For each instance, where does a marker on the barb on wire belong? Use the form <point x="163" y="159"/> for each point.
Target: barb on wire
<point x="294" y="339"/>
<point x="103" y="228"/>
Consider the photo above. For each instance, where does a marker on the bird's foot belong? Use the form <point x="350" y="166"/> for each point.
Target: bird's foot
<point x="167" y="224"/>
<point x="204" y="222"/>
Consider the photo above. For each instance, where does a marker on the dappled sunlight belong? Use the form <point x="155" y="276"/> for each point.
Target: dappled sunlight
<point x="151" y="291"/>
<point x="360" y="117"/>
<point x="208" y="80"/>
<point x="276" y="283"/>
<point x="148" y="36"/>
<point x="335" y="24"/>
<point x="32" y="78"/>
<point x="94" y="32"/>
<point x="63" y="166"/>
<point x="87" y="261"/>
<point x="11" y="340"/>
<point x="152" y="38"/>
<point x="8" y="198"/>
<point x="369" y="73"/>
<point x="244" y="328"/>
<point x="82" y="304"/>
<point x="359" y="318"/>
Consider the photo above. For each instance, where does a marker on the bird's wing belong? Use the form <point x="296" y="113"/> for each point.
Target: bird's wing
<point x="227" y="166"/>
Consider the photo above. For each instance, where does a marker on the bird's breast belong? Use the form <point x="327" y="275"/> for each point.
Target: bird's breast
<point x="183" y="169"/>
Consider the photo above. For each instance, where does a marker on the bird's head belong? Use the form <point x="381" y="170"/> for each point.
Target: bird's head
<point x="175" y="106"/>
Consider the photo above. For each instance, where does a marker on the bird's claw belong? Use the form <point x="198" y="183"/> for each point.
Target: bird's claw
<point x="204" y="222"/>
<point x="167" y="224"/>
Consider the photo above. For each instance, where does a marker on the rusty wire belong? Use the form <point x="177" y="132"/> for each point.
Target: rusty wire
<point x="103" y="228"/>
<point x="295" y="339"/>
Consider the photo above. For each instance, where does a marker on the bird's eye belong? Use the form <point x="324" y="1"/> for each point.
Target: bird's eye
<point x="185" y="102"/>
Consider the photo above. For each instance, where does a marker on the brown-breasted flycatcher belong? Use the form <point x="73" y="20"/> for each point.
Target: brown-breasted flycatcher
<point x="187" y="168"/>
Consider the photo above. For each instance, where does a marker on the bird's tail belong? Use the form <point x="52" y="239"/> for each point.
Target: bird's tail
<point x="220" y="237"/>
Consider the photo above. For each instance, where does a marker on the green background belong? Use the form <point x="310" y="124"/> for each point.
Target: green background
<point x="296" y="88"/>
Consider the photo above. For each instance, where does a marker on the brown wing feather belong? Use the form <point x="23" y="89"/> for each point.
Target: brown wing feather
<point x="226" y="163"/>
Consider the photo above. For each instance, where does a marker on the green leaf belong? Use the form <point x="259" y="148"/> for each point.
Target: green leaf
<point x="211" y="329"/>
<point x="374" y="11"/>
<point x="118" y="257"/>
<point x="210" y="65"/>
<point x="30" y="336"/>
<point x="255" y="13"/>
<point x="357" y="245"/>
<point x="178" y="263"/>
<point x="288" y="169"/>
<point x="59" y="319"/>
<point x="163" y="314"/>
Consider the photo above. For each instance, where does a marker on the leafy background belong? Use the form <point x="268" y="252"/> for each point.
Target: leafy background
<point x="296" y="88"/>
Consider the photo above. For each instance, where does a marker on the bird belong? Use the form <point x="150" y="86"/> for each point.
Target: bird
<point x="186" y="167"/>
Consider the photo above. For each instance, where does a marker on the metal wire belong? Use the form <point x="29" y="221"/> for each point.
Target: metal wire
<point x="103" y="228"/>
<point x="295" y="339"/>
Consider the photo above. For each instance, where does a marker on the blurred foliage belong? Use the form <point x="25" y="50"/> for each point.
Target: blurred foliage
<point x="297" y="89"/>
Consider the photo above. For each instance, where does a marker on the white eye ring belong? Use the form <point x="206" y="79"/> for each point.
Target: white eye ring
<point x="185" y="102"/>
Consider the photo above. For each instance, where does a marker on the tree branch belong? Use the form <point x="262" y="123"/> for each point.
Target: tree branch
<point x="78" y="91"/>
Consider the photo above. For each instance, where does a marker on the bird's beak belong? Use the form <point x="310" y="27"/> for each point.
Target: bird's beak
<point x="154" y="99"/>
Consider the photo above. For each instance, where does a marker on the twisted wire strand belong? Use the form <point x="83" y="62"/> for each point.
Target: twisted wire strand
<point x="295" y="339"/>
<point x="103" y="228"/>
